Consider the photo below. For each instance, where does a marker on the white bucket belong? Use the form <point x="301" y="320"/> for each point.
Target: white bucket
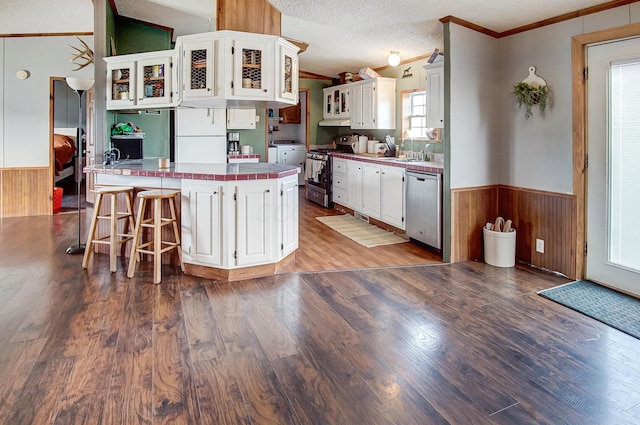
<point x="499" y="248"/>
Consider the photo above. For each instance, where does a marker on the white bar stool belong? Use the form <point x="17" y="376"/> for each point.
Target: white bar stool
<point x="155" y="222"/>
<point x="113" y="239"/>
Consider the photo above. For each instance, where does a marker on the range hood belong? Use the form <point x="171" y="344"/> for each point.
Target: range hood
<point x="335" y="123"/>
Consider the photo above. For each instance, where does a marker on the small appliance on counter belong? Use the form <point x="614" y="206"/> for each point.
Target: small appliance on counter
<point x="233" y="140"/>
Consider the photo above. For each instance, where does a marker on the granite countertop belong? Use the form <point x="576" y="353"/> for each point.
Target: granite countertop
<point x="242" y="171"/>
<point x="430" y="167"/>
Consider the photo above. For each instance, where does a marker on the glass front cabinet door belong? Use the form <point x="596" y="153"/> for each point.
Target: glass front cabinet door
<point x="287" y="78"/>
<point x="253" y="69"/>
<point x="198" y="69"/>
<point x="121" y="78"/>
<point x="141" y="80"/>
<point x="154" y="81"/>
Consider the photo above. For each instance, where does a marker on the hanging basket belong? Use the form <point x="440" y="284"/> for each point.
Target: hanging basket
<point x="531" y="91"/>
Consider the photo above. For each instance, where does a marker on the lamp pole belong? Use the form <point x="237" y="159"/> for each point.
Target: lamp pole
<point x="79" y="85"/>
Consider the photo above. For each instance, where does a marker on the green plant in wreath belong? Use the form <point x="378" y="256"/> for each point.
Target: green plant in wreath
<point x="529" y="95"/>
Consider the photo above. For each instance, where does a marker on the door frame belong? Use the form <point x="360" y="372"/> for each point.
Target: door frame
<point x="578" y="64"/>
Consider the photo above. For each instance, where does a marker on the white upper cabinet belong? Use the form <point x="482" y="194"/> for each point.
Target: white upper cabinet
<point x="287" y="72"/>
<point x="228" y="69"/>
<point x="253" y="69"/>
<point x="337" y="102"/>
<point x="373" y="104"/>
<point x="142" y="80"/>
<point x="238" y="119"/>
<point x="435" y="95"/>
<point x="198" y="69"/>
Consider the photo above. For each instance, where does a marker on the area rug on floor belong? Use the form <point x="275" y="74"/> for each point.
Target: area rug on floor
<point x="360" y="231"/>
<point x="613" y="308"/>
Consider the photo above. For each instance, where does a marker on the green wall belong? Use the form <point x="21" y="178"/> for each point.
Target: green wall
<point x="257" y="137"/>
<point x="133" y="37"/>
<point x="318" y="135"/>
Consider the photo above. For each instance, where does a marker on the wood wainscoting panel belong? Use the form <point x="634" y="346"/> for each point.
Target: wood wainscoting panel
<point x="471" y="209"/>
<point x="26" y="192"/>
<point x="542" y="215"/>
<point x="535" y="214"/>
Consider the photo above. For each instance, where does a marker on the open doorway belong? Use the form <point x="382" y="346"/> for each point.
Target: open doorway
<point x="64" y="133"/>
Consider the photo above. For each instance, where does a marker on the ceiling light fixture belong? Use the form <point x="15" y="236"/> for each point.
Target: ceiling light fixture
<point x="394" y="58"/>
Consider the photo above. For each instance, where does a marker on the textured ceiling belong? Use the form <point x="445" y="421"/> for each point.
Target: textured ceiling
<point x="342" y="35"/>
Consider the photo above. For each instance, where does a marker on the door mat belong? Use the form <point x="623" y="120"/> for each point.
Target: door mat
<point x="610" y="307"/>
<point x="360" y="231"/>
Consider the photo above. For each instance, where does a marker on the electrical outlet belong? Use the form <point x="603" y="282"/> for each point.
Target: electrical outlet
<point x="257" y="118"/>
<point x="540" y="246"/>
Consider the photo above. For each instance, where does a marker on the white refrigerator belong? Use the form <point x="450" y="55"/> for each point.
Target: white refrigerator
<point x="201" y="135"/>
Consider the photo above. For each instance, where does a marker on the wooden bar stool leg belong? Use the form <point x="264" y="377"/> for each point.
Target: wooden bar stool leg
<point x="176" y="231"/>
<point x="133" y="258"/>
<point x="92" y="231"/>
<point x="157" y="240"/>
<point x="113" y="254"/>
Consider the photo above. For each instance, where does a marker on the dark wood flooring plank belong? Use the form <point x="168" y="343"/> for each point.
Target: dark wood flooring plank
<point x="313" y="398"/>
<point x="40" y="395"/>
<point x="263" y="394"/>
<point x="219" y="396"/>
<point x="319" y="322"/>
<point x="20" y="358"/>
<point x="174" y="397"/>
<point x="229" y="319"/>
<point x="205" y="342"/>
<point x="274" y="337"/>
<point x="129" y="400"/>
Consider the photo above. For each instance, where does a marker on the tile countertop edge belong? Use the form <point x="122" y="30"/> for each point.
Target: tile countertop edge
<point x="431" y="167"/>
<point x="150" y="168"/>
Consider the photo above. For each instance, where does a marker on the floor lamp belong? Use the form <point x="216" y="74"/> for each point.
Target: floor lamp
<point x="79" y="85"/>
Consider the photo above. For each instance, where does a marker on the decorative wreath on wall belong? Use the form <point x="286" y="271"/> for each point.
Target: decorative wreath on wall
<point x="533" y="90"/>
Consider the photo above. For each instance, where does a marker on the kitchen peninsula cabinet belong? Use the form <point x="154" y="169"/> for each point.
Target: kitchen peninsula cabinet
<point x="144" y="80"/>
<point x="230" y="68"/>
<point x="237" y="220"/>
<point x="232" y="225"/>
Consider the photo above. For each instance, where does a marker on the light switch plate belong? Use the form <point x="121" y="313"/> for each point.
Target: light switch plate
<point x="540" y="246"/>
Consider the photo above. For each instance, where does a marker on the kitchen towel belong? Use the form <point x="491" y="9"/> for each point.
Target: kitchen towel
<point x="312" y="169"/>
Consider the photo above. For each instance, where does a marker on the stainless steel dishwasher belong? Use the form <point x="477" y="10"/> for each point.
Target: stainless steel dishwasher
<point x="424" y="208"/>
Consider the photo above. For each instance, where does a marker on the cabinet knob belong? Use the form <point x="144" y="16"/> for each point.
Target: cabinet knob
<point x="265" y="90"/>
<point x="208" y="89"/>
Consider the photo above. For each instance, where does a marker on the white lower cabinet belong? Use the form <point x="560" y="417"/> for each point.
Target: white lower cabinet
<point x="376" y="191"/>
<point x="354" y="185"/>
<point x="371" y="189"/>
<point x="392" y="196"/>
<point x="289" y="217"/>
<point x="202" y="222"/>
<point x="238" y="224"/>
<point x="254" y="224"/>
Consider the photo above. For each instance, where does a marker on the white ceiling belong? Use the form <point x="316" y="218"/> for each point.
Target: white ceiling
<point x="342" y="35"/>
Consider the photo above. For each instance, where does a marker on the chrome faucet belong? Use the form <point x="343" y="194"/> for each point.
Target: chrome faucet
<point x="402" y="145"/>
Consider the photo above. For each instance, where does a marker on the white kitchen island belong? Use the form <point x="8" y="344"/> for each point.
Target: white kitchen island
<point x="238" y="221"/>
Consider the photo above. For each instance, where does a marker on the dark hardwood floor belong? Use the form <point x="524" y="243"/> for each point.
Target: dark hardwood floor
<point x="417" y="344"/>
<point x="321" y="248"/>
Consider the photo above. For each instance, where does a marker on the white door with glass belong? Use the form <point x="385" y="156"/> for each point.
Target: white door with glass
<point x="613" y="174"/>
